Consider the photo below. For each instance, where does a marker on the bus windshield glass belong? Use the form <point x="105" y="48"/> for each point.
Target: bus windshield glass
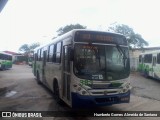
<point x="101" y="62"/>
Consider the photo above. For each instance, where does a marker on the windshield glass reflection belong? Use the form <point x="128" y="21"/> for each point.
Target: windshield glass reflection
<point x="97" y="62"/>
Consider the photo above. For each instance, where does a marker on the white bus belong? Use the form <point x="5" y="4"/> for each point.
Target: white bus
<point x="149" y="64"/>
<point x="85" y="68"/>
<point x="30" y="59"/>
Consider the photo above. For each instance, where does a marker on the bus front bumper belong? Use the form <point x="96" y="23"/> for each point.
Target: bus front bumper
<point x="93" y="101"/>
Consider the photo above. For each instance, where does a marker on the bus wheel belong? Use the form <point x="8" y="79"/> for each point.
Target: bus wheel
<point x="56" y="92"/>
<point x="146" y="73"/>
<point x="3" y="67"/>
<point x="37" y="78"/>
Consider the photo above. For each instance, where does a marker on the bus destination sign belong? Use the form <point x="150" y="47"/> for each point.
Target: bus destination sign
<point x="98" y="37"/>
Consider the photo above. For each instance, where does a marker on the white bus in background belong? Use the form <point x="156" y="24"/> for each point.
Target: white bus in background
<point x="30" y="58"/>
<point x="149" y="64"/>
<point x="85" y="68"/>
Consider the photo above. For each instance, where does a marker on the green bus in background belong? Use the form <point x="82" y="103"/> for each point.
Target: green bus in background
<point x="149" y="64"/>
<point x="5" y="61"/>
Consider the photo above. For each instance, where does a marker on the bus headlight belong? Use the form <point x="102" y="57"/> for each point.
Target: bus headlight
<point x="84" y="92"/>
<point x="80" y="90"/>
<point x="125" y="88"/>
<point x="128" y="86"/>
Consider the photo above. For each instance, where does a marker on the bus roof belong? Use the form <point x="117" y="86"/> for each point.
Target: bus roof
<point x="70" y="34"/>
<point x="150" y="52"/>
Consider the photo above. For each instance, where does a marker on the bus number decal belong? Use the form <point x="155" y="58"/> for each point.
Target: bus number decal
<point x="85" y="82"/>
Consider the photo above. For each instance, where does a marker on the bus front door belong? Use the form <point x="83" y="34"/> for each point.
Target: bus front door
<point x="66" y="73"/>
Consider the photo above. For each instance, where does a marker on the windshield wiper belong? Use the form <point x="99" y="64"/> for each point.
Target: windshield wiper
<point x="98" y="57"/>
<point x="122" y="53"/>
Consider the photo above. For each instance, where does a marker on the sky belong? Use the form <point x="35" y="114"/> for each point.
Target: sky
<point x="30" y="21"/>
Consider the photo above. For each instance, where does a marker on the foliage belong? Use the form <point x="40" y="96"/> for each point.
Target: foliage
<point x="27" y="49"/>
<point x="34" y="45"/>
<point x="135" y="40"/>
<point x="68" y="28"/>
<point x="24" y="48"/>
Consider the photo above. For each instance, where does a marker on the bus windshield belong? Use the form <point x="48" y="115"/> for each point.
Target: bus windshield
<point x="101" y="62"/>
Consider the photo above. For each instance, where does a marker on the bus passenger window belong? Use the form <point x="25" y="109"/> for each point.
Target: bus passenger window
<point x="39" y="55"/>
<point x="148" y="58"/>
<point x="58" y="52"/>
<point x="158" y="58"/>
<point x="50" y="53"/>
<point x="140" y="58"/>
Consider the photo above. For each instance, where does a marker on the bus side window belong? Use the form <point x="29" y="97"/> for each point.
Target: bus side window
<point x="140" y="59"/>
<point x="154" y="61"/>
<point x="50" y="53"/>
<point x="58" y="52"/>
<point x="38" y="56"/>
<point x="158" y="58"/>
<point x="41" y="54"/>
<point x="148" y="58"/>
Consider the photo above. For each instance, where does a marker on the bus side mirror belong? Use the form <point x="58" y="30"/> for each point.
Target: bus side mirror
<point x="71" y="54"/>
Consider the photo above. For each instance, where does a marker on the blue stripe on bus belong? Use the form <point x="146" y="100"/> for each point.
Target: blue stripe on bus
<point x="93" y="101"/>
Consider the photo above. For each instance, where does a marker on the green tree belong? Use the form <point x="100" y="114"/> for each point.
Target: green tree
<point x="135" y="40"/>
<point x="68" y="28"/>
<point x="27" y="49"/>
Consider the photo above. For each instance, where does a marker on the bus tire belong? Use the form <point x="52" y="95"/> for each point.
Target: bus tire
<point x="56" y="91"/>
<point x="3" y="67"/>
<point x="38" y="78"/>
<point x="146" y="74"/>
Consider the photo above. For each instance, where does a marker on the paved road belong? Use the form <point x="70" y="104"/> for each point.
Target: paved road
<point x="145" y="87"/>
<point x="20" y="92"/>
